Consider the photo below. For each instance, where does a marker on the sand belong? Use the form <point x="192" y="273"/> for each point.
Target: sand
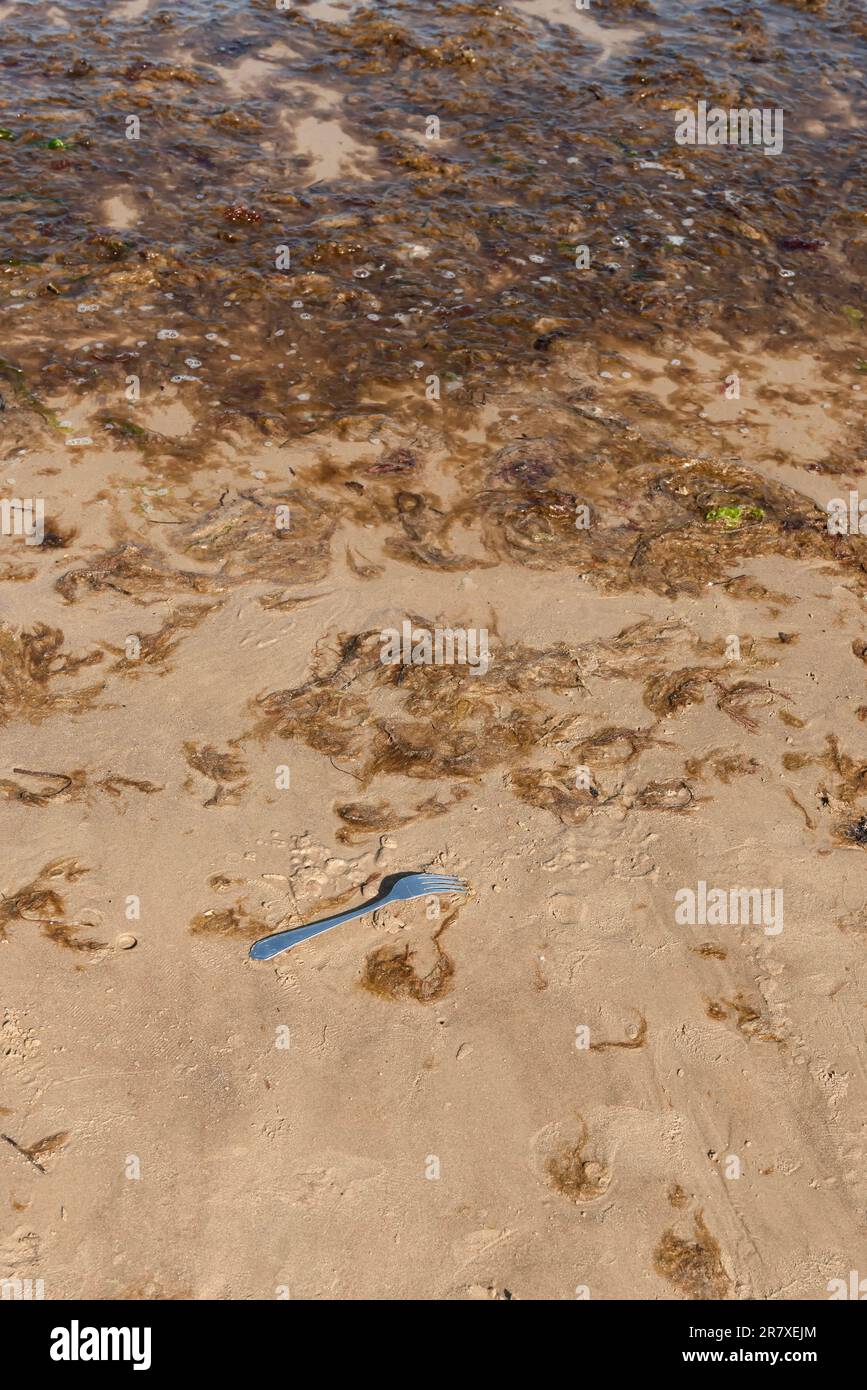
<point x="282" y="1121"/>
<point x="554" y="1087"/>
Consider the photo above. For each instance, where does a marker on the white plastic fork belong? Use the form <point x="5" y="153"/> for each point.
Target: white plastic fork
<point x="395" y="888"/>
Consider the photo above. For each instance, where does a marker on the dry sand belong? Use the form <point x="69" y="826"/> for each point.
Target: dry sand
<point x="181" y="1122"/>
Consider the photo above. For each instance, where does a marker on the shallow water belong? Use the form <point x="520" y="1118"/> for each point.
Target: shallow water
<point x="262" y="129"/>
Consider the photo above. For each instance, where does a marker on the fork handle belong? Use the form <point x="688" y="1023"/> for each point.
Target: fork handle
<point x="270" y="946"/>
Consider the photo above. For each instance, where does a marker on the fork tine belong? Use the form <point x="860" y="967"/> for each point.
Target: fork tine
<point x="440" y="878"/>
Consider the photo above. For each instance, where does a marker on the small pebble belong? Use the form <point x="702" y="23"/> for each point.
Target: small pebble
<point x="126" y="942"/>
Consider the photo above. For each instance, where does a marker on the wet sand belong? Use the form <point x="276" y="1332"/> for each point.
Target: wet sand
<point x="553" y="1087"/>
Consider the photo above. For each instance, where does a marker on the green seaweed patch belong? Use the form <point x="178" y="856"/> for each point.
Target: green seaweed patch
<point x="15" y="376"/>
<point x="734" y="516"/>
<point x="125" y="427"/>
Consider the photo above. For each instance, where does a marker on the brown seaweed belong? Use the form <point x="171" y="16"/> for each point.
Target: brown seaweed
<point x="69" y="786"/>
<point x="134" y="571"/>
<point x="32" y="662"/>
<point x="693" y="1266"/>
<point x="361" y="819"/>
<point x="42" y="1149"/>
<point x="573" y="1174"/>
<point x="372" y="306"/>
<point x="723" y="765"/>
<point x="220" y="768"/>
<point x="40" y="902"/>
<point x="390" y="973"/>
<point x="232" y="922"/>
<point x="447" y="723"/>
<point x="751" y="1023"/>
<point x="154" y="649"/>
